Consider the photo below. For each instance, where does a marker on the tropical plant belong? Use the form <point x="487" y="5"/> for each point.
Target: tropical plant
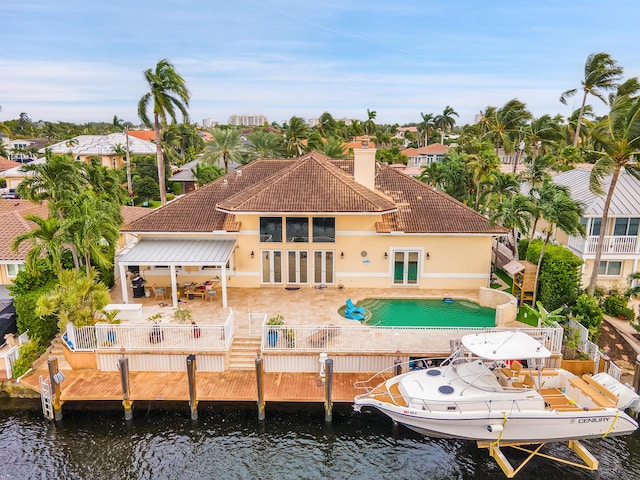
<point x="205" y="173"/>
<point x="587" y="311"/>
<point x="76" y="299"/>
<point x="226" y="146"/>
<point x="601" y="73"/>
<point x="265" y="144"/>
<point x="445" y="121"/>
<point x="618" y="134"/>
<point x="634" y="291"/>
<point x="515" y="214"/>
<point x="547" y="318"/>
<point x="334" y="148"/>
<point x="182" y="315"/>
<point x="46" y="242"/>
<point x="168" y="92"/>
<point x="295" y="132"/>
<point x="426" y="127"/>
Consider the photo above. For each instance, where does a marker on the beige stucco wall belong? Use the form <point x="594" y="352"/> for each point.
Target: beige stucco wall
<point x="608" y="282"/>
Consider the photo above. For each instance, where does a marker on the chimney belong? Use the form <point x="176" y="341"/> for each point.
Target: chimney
<point x="364" y="165"/>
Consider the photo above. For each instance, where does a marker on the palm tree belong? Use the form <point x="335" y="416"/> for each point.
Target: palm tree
<point x="46" y="242"/>
<point x="426" y="126"/>
<point x="294" y="133"/>
<point x="541" y="134"/>
<point x="514" y="213"/>
<point x="334" y="148"/>
<point x="205" y="173"/>
<point x="502" y="125"/>
<point x="601" y="73"/>
<point x="445" y="121"/>
<point x="226" y="146"/>
<point x="265" y="144"/>
<point x="556" y="207"/>
<point x="369" y="124"/>
<point x="327" y="126"/>
<point x="633" y="291"/>
<point x="168" y="92"/>
<point x="619" y="136"/>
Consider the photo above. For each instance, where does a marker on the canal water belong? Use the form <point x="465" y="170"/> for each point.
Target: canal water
<point x="228" y="442"/>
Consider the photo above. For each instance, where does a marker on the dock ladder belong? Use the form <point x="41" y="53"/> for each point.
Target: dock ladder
<point x="45" y="397"/>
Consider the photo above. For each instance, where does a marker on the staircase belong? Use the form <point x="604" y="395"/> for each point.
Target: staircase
<point x="243" y="353"/>
<point x="57" y="350"/>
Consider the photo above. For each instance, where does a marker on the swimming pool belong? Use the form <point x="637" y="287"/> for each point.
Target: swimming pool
<point x="417" y="312"/>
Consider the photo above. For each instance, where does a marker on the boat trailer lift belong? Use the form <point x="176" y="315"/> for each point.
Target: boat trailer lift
<point x="590" y="462"/>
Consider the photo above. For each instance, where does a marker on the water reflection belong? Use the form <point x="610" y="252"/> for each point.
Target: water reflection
<point x="228" y="442"/>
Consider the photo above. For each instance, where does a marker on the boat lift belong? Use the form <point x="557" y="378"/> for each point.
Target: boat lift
<point x="590" y="462"/>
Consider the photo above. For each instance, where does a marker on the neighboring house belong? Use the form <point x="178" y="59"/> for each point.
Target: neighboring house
<point x="313" y="221"/>
<point x="621" y="247"/>
<point x="6" y="164"/>
<point x="146" y="135"/>
<point x="15" y="175"/>
<point x="401" y="134"/>
<point x="12" y="213"/>
<point x="184" y="175"/>
<point x="103" y="147"/>
<point x="423" y="156"/>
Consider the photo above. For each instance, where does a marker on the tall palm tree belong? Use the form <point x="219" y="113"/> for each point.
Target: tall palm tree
<point x="265" y="144"/>
<point x="226" y="146"/>
<point x="46" y="242"/>
<point x="426" y="126"/>
<point x="334" y="148"/>
<point x="370" y="124"/>
<point x="601" y="73"/>
<point x="445" y="121"/>
<point x="619" y="136"/>
<point x="294" y="133"/>
<point x="327" y="126"/>
<point x="514" y="213"/>
<point x="168" y="92"/>
<point x="503" y="125"/>
<point x="556" y="207"/>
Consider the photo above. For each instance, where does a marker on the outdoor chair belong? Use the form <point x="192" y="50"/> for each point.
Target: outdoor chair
<point x="158" y="293"/>
<point x="322" y="335"/>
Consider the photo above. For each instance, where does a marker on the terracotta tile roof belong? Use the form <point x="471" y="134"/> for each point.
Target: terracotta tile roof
<point x="434" y="148"/>
<point x="148" y="135"/>
<point x="12" y="214"/>
<point x="7" y="164"/>
<point x="316" y="184"/>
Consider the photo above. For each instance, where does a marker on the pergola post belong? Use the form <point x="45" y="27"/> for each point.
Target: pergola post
<point x="174" y="285"/>
<point x="123" y="284"/>
<point x="223" y="272"/>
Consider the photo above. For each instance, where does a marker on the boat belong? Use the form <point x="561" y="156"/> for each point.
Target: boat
<point x="495" y="388"/>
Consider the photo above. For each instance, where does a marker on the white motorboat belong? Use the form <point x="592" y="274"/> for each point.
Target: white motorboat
<point x="482" y="392"/>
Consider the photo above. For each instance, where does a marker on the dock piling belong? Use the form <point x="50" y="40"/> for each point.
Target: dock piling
<point x="260" y="385"/>
<point x="55" y="377"/>
<point x="191" y="374"/>
<point x="328" y="402"/>
<point x="636" y="376"/>
<point x="123" y="366"/>
<point x="397" y="363"/>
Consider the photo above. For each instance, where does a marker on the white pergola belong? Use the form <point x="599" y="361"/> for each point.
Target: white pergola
<point x="174" y="253"/>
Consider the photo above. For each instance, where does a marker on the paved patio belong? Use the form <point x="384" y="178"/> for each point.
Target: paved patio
<point x="306" y="306"/>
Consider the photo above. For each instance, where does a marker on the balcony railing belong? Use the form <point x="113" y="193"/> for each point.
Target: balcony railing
<point x="610" y="244"/>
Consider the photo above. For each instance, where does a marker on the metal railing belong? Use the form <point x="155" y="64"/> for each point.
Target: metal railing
<point x="14" y="353"/>
<point x="610" y="244"/>
<point x="332" y="338"/>
<point x="156" y="336"/>
<point x="581" y="335"/>
<point x="256" y="321"/>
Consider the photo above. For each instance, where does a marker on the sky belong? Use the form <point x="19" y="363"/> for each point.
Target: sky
<point x="82" y="60"/>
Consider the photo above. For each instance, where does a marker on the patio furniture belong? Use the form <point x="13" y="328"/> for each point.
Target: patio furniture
<point x="322" y="335"/>
<point x="158" y="293"/>
<point x="211" y="294"/>
<point x="190" y="294"/>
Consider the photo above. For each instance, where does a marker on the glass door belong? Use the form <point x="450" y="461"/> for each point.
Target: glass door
<point x="271" y="266"/>
<point x="297" y="266"/>
<point x="405" y="267"/>
<point x="323" y="267"/>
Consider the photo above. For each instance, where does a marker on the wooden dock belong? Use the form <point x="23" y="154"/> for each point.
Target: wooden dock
<point x="239" y="386"/>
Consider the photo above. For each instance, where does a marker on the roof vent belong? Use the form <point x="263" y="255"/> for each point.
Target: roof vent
<point x="365" y="144"/>
<point x="225" y="180"/>
<point x="239" y="172"/>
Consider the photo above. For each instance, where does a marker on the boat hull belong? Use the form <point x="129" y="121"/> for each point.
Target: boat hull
<point x="533" y="427"/>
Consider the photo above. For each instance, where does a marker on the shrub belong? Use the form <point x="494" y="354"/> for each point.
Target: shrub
<point x="588" y="313"/>
<point x="29" y="352"/>
<point x="615" y="305"/>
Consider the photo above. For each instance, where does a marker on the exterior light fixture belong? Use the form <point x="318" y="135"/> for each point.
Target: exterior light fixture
<point x="252" y="254"/>
<point x="341" y="255"/>
<point x="427" y="256"/>
<point x="386" y="255"/>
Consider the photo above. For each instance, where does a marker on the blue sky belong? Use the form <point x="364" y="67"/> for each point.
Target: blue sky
<point x="81" y="60"/>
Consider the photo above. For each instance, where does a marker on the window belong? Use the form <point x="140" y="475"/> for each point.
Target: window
<point x="297" y="229"/>
<point x="324" y="230"/>
<point x="271" y="229"/>
<point x="626" y="226"/>
<point x="596" y="223"/>
<point x="613" y="269"/>
<point x="13" y="269"/>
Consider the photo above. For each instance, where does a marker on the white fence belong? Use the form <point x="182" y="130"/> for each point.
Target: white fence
<point x="361" y="339"/>
<point x="158" y="336"/>
<point x="581" y="336"/>
<point x="14" y="353"/>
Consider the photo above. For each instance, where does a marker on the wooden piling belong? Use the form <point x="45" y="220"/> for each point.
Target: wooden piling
<point x="328" y="383"/>
<point x="191" y="374"/>
<point x="55" y="377"/>
<point x="123" y="366"/>
<point x="397" y="363"/>
<point x="260" y="385"/>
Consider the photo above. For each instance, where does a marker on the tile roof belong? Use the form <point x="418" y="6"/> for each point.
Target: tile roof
<point x="315" y="184"/>
<point x="103" y="145"/>
<point x="7" y="164"/>
<point x="434" y="148"/>
<point x="12" y="213"/>
<point x="148" y="135"/>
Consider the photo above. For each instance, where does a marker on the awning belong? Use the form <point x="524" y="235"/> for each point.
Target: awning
<point x="513" y="267"/>
<point x="179" y="252"/>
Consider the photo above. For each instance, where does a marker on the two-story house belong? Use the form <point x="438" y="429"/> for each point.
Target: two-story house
<point x="313" y="221"/>
<point x="423" y="156"/>
<point x="621" y="247"/>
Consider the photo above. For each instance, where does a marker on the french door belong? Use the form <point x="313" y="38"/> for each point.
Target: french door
<point x="323" y="267"/>
<point x="406" y="267"/>
<point x="271" y="266"/>
<point x="297" y="266"/>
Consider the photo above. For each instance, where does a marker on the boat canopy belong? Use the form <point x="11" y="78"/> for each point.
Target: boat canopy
<point x="512" y="345"/>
